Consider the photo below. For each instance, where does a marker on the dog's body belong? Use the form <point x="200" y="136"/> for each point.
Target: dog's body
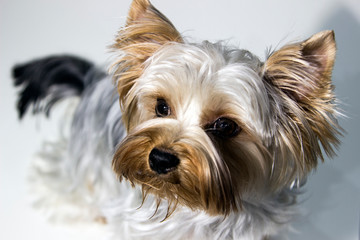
<point x="215" y="143"/>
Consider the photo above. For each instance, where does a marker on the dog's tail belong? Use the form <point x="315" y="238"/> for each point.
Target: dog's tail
<point x="45" y="81"/>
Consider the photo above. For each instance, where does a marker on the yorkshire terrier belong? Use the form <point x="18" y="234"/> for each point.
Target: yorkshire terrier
<point x="200" y="140"/>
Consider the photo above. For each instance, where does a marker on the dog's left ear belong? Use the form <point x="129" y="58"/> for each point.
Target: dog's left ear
<point x="303" y="70"/>
<point x="145" y="32"/>
<point x="300" y="74"/>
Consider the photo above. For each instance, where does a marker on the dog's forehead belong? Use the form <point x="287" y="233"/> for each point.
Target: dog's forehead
<point x="207" y="77"/>
<point x="205" y="67"/>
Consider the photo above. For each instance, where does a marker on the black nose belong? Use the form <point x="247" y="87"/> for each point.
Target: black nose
<point x="162" y="162"/>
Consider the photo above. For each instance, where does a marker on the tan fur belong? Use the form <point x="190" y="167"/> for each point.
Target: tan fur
<point x="301" y="73"/>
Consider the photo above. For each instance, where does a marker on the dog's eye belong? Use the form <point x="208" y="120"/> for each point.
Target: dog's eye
<point x="224" y="128"/>
<point x="162" y="109"/>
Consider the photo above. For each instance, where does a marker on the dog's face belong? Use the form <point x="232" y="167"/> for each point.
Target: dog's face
<point x="210" y="126"/>
<point x="192" y="136"/>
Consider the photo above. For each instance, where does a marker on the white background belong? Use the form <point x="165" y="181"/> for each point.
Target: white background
<point x="30" y="29"/>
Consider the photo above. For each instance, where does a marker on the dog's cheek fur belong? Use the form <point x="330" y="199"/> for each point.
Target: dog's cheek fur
<point x="249" y="163"/>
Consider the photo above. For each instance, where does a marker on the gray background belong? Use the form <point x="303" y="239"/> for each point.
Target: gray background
<point x="30" y="29"/>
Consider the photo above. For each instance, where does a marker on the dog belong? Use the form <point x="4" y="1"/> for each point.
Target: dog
<point x="183" y="140"/>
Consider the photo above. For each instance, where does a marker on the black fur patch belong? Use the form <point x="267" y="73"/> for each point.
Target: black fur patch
<point x="49" y="79"/>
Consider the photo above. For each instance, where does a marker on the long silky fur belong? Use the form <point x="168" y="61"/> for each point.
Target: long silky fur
<point x="75" y="182"/>
<point x="242" y="187"/>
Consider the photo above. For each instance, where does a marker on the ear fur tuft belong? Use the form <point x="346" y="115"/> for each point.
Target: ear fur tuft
<point x="146" y="31"/>
<point x="300" y="74"/>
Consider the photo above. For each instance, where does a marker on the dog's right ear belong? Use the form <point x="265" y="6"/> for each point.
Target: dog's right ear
<point x="145" y="32"/>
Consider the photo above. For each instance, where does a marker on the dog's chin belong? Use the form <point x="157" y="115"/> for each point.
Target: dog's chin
<point x="150" y="179"/>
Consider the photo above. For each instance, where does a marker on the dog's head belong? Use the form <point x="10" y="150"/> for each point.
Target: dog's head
<point x="209" y="125"/>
